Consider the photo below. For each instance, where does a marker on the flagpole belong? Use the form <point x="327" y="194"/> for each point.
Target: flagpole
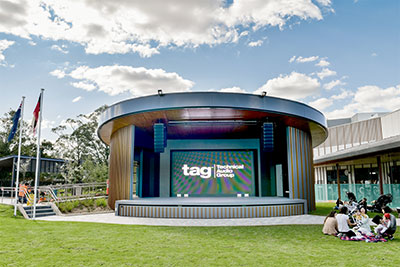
<point x="19" y="155"/>
<point x="37" y="171"/>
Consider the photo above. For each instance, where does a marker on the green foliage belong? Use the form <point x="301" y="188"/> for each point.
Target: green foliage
<point x="78" y="143"/>
<point x="101" y="202"/>
<point x="91" y="172"/>
<point x="97" y="244"/>
<point x="79" y="205"/>
<point x="28" y="147"/>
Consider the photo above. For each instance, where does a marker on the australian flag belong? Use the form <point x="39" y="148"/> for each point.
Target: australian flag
<point x="16" y="117"/>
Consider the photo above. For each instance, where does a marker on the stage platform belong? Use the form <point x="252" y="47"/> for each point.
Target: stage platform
<point x="210" y="207"/>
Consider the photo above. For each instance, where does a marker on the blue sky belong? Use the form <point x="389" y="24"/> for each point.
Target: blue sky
<point x="340" y="57"/>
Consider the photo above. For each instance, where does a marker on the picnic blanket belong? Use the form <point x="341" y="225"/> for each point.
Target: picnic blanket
<point x="364" y="237"/>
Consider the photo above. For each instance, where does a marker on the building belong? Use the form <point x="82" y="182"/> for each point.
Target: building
<point x="364" y="153"/>
<point x="211" y="155"/>
<point x="8" y="168"/>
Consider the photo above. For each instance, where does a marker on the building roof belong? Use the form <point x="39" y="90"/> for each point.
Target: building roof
<point x="7" y="161"/>
<point x="387" y="145"/>
<point x="194" y="113"/>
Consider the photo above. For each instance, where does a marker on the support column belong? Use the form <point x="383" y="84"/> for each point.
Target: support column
<point x="338" y="180"/>
<point x="13" y="177"/>
<point x="120" y="165"/>
<point x="378" y="159"/>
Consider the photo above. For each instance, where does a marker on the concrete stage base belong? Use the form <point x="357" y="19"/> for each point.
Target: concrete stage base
<point x="210" y="207"/>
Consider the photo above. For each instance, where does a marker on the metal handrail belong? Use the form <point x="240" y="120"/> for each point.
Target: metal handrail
<point x="50" y="190"/>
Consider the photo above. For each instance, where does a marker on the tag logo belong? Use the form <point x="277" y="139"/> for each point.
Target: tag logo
<point x="217" y="171"/>
<point x="203" y="172"/>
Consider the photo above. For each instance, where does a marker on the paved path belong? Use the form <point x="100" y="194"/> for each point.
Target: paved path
<point x="111" y="218"/>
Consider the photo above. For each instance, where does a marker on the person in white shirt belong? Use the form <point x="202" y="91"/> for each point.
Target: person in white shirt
<point x="344" y="222"/>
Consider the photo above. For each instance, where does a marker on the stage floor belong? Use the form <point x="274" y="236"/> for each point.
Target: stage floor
<point x="211" y="207"/>
<point x="211" y="201"/>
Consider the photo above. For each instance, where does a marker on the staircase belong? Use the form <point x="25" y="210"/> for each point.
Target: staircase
<point x="41" y="211"/>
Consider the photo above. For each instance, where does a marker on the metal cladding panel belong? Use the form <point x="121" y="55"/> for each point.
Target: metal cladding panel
<point x="211" y="212"/>
<point x="300" y="166"/>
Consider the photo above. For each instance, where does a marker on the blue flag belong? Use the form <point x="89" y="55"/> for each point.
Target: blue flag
<point x="15" y="123"/>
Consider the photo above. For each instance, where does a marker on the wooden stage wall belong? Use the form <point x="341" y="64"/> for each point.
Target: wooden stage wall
<point x="120" y="165"/>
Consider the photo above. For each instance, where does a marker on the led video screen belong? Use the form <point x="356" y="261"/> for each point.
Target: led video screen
<point x="212" y="173"/>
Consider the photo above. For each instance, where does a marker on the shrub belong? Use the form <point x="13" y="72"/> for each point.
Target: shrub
<point x="89" y="204"/>
<point x="101" y="202"/>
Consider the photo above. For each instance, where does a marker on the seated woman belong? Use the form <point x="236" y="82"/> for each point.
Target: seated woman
<point x="330" y="224"/>
<point x="383" y="225"/>
<point x="344" y="223"/>
<point x="392" y="225"/>
<point x="362" y="221"/>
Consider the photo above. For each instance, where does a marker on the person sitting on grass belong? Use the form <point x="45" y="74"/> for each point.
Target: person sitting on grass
<point x="383" y="226"/>
<point x="393" y="225"/>
<point x="330" y="224"/>
<point x="362" y="221"/>
<point x="344" y="223"/>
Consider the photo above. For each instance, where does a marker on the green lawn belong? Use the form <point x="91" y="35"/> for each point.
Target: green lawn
<point x="39" y="243"/>
<point x="324" y="208"/>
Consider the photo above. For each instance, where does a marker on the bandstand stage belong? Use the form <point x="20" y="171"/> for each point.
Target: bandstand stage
<point x="211" y="155"/>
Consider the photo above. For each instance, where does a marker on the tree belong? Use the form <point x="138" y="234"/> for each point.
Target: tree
<point x="78" y="143"/>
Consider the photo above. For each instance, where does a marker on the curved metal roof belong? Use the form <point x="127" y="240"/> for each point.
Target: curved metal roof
<point x="211" y="107"/>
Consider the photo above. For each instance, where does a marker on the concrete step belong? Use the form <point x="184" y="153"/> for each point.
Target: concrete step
<point x="38" y="207"/>
<point x="43" y="214"/>
<point x="41" y="211"/>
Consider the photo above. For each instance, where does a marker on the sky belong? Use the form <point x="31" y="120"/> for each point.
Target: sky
<point x="340" y="57"/>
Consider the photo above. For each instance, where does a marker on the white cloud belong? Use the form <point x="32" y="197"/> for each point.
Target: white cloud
<point x="321" y="103"/>
<point x="234" y="89"/>
<point x="343" y="95"/>
<point x="374" y="97"/>
<point x="58" y="73"/>
<point x="32" y="43"/>
<point x="47" y="124"/>
<point x="303" y="59"/>
<point x="257" y="43"/>
<point x="292" y="59"/>
<point x="76" y="99"/>
<point x="370" y="98"/>
<point x="87" y="86"/>
<point x="374" y="54"/>
<point x="143" y="27"/>
<point x="324" y="2"/>
<point x="326" y="73"/>
<point x="116" y="79"/>
<point x="293" y="86"/>
<point x="61" y="48"/>
<point x="330" y="85"/>
<point x="4" y="44"/>
<point x="323" y="63"/>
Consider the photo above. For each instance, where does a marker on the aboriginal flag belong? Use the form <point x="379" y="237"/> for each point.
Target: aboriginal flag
<point x="35" y="118"/>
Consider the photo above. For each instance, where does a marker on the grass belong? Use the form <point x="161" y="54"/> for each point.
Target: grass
<point x="40" y="243"/>
<point x="324" y="208"/>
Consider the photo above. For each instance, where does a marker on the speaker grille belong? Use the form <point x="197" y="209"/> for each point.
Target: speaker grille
<point x="159" y="137"/>
<point x="268" y="137"/>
